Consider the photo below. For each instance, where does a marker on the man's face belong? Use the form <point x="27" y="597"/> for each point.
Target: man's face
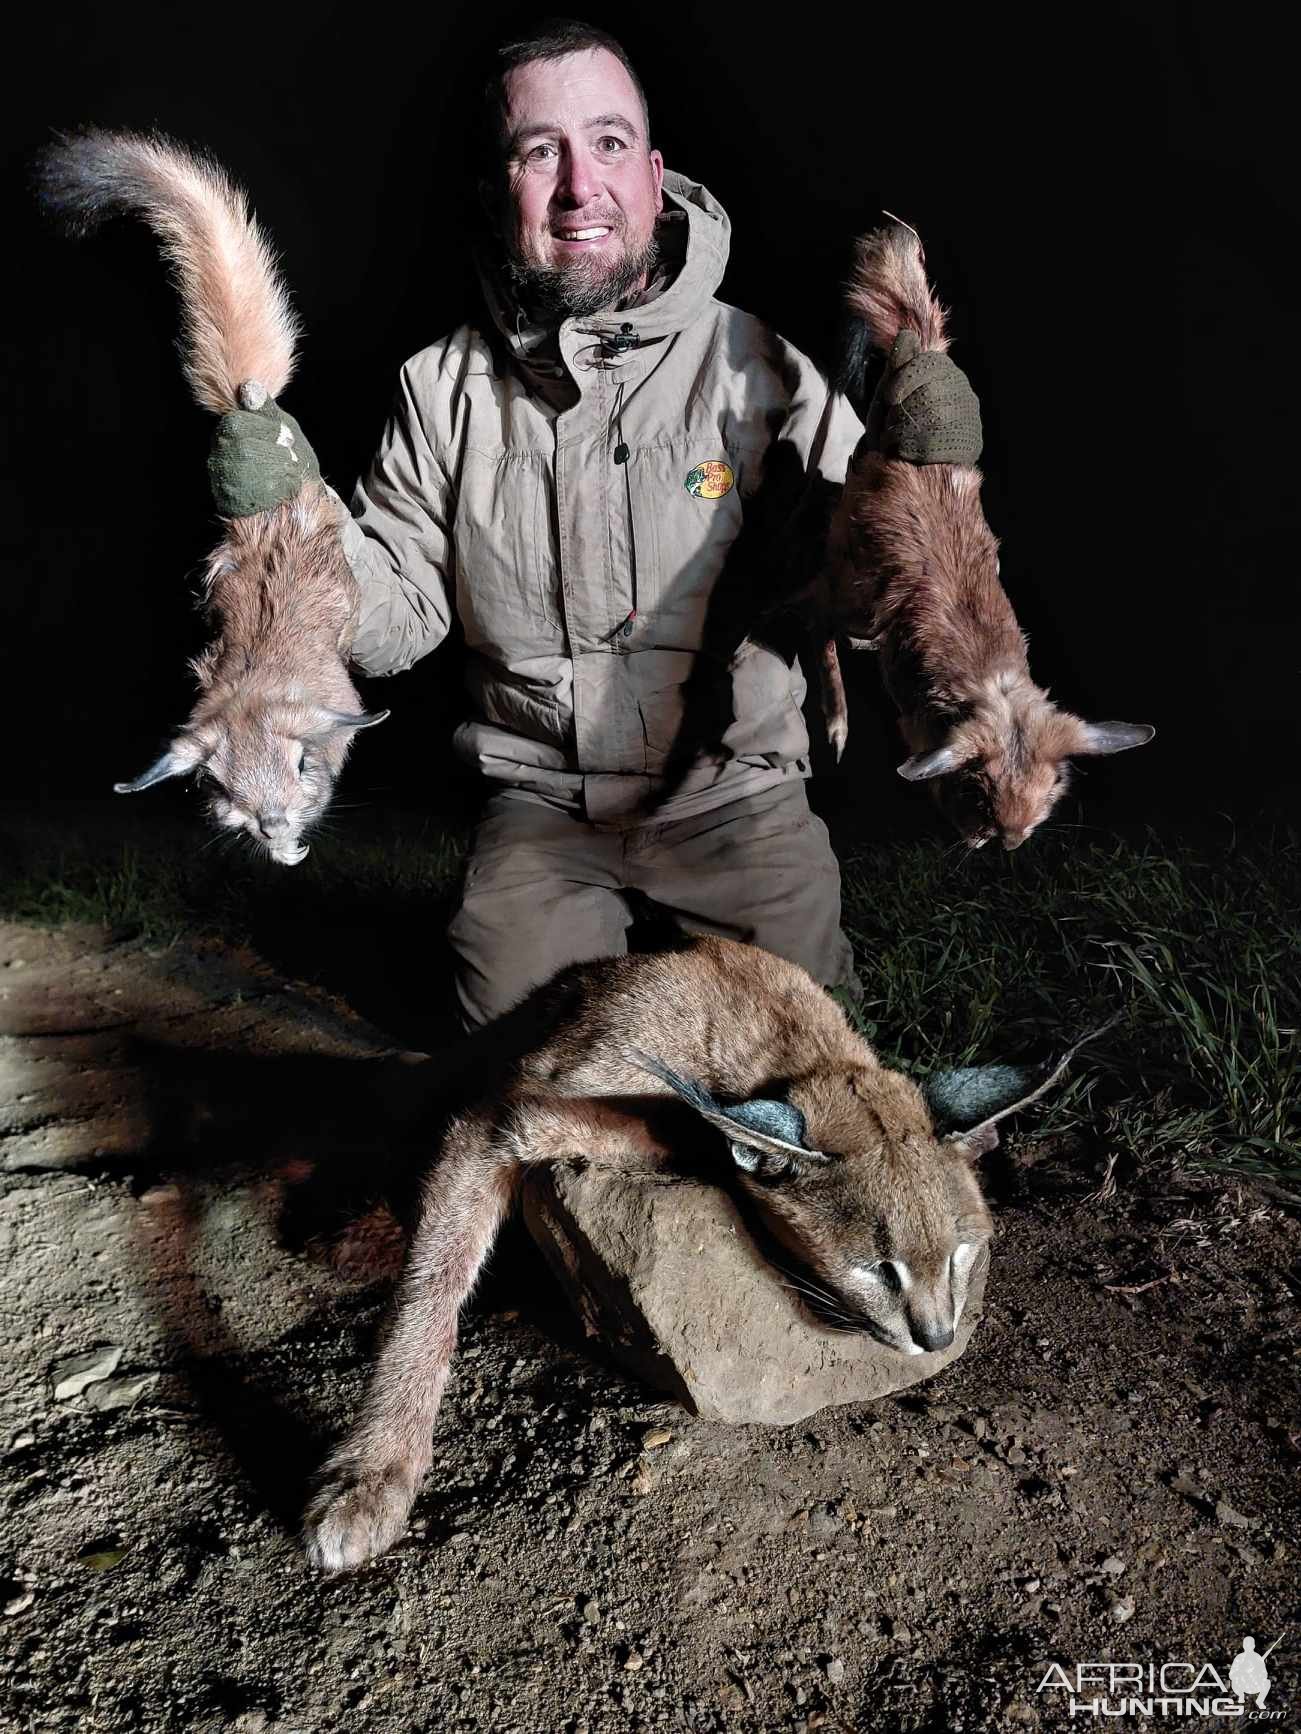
<point x="582" y="185"/>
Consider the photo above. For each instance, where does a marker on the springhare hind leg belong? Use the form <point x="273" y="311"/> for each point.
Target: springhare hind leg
<point x="367" y="1485"/>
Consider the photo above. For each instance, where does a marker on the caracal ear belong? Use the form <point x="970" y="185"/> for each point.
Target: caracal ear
<point x="769" y="1164"/>
<point x="765" y="1137"/>
<point x="923" y="766"/>
<point x="180" y="757"/>
<point x="1114" y="737"/>
<point x="961" y="1096"/>
<point x="980" y="1139"/>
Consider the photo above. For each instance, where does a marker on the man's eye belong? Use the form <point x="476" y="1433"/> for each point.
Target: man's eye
<point x="617" y="145"/>
<point x="538" y="153"/>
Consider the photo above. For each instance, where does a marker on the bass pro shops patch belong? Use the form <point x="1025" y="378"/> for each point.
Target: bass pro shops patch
<point x="710" y="481"/>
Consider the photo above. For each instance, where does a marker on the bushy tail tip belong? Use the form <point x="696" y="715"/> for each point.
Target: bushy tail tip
<point x="887" y="293"/>
<point x="237" y="319"/>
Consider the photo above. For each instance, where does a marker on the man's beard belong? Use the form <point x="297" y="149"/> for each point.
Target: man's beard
<point x="550" y="293"/>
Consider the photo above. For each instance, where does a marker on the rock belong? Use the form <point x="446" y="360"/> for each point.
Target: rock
<point x="634" y="1661"/>
<point x="825" y="1520"/>
<point x="665" y="1272"/>
<point x="1226" y="1514"/>
<point x="654" y="1437"/>
<point x="119" y="1393"/>
<point x="19" y="1604"/>
<point x="835" y="1670"/>
<point x="72" y="1375"/>
<point x="1121" y="1609"/>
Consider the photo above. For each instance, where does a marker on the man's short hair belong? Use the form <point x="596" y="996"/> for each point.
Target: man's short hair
<point x="552" y="39"/>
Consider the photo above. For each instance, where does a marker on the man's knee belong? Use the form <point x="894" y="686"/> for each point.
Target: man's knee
<point x="507" y="944"/>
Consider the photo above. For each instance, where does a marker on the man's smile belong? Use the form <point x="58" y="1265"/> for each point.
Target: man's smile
<point x="581" y="237"/>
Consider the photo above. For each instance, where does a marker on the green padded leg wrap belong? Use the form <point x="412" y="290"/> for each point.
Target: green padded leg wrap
<point x="924" y="410"/>
<point x="259" y="457"/>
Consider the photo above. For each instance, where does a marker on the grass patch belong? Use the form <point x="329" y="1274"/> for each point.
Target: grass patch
<point x="965" y="957"/>
<point x="987" y="957"/>
<point x="222" y="889"/>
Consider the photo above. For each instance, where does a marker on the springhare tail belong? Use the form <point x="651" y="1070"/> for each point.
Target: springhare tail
<point x="237" y="322"/>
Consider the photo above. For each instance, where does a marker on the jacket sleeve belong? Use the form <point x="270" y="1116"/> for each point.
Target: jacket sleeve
<point x="398" y="544"/>
<point x="820" y="424"/>
<point x="794" y="488"/>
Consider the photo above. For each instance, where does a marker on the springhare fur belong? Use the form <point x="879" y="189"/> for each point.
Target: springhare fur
<point x="236" y="317"/>
<point x="884" y="1215"/>
<point x="276" y="711"/>
<point x="913" y="573"/>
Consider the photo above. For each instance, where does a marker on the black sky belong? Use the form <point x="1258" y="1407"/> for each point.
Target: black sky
<point x="1109" y="202"/>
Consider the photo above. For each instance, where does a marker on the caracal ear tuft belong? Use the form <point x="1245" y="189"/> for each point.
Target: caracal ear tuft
<point x="1115" y="737"/>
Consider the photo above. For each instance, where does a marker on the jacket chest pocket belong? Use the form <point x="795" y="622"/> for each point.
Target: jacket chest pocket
<point x="507" y="580"/>
<point x="686" y="507"/>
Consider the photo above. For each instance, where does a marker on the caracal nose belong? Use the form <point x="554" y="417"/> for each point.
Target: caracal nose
<point x="932" y="1335"/>
<point x="1013" y="839"/>
<point x="273" y="825"/>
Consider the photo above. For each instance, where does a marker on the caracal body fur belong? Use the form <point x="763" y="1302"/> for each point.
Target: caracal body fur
<point x="884" y="1215"/>
<point x="276" y="711"/>
<point x="913" y="573"/>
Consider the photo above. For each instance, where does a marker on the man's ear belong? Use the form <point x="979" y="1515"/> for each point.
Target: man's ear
<point x="657" y="169"/>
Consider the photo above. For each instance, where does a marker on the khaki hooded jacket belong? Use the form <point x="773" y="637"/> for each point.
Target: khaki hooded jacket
<point x="577" y="501"/>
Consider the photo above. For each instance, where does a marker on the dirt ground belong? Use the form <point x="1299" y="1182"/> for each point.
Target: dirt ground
<point x="1111" y="1471"/>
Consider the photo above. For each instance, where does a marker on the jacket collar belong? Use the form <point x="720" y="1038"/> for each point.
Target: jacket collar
<point x="695" y="237"/>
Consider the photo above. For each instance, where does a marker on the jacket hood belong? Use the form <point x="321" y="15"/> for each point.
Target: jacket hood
<point x="694" y="233"/>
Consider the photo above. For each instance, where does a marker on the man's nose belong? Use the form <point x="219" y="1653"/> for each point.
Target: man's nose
<point x="577" y="182"/>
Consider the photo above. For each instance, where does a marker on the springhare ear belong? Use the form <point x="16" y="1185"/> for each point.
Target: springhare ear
<point x="175" y="762"/>
<point x="336" y="721"/>
<point x="923" y="766"/>
<point x="1115" y="737"/>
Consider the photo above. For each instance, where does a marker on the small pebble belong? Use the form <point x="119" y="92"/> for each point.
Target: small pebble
<point x="835" y="1670"/>
<point x="19" y="1604"/>
<point x="1121" y="1609"/>
<point x="634" y="1662"/>
<point x="654" y="1437"/>
<point x="71" y="1375"/>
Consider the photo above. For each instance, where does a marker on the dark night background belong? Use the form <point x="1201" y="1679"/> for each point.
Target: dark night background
<point x="1109" y="203"/>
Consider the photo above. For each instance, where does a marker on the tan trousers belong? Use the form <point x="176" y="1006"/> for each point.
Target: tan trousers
<point x="543" y="890"/>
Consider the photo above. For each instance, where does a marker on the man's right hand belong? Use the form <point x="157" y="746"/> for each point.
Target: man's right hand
<point x="259" y="458"/>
